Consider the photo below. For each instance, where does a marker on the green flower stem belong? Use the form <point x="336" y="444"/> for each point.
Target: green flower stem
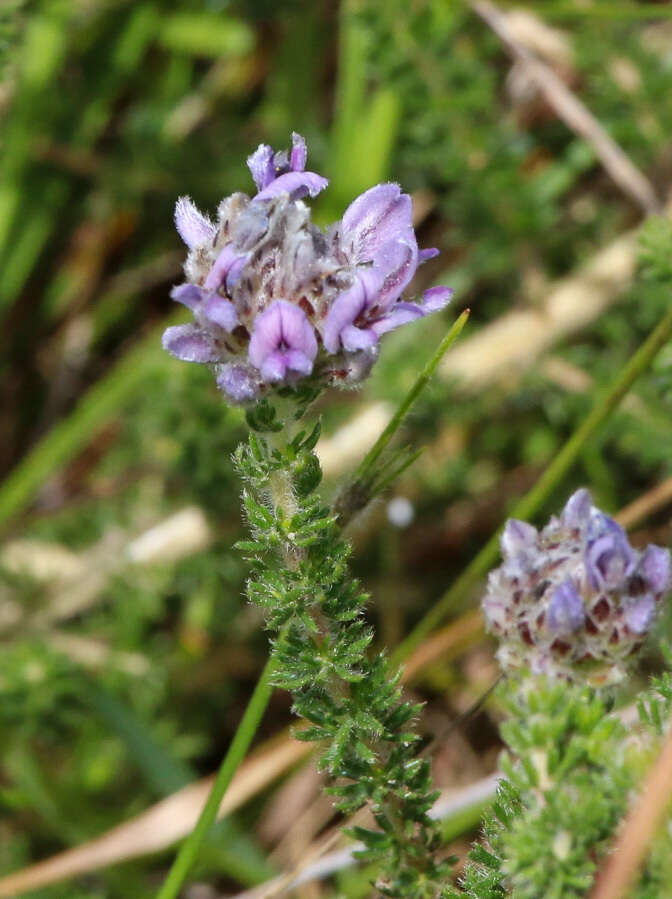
<point x="236" y="753"/>
<point x="350" y="703"/>
<point x="534" y="500"/>
<point x="282" y="497"/>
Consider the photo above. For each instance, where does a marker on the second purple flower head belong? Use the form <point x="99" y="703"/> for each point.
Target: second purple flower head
<point x="276" y="300"/>
<point x="575" y="599"/>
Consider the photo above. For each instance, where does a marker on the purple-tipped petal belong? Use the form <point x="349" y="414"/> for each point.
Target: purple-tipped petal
<point x="237" y="383"/>
<point x="299" y="153"/>
<point x="398" y="260"/>
<point x="354" y="339"/>
<point x="296" y="184"/>
<point x="189" y="343"/>
<point x="267" y="335"/>
<point x="576" y="513"/>
<point x="426" y="255"/>
<point x="436" y="298"/>
<point x="297" y="332"/>
<point x="654" y="566"/>
<point x="260" y="164"/>
<point x="236" y="271"/>
<point x="190" y="295"/>
<point x="399" y="314"/>
<point x="299" y="361"/>
<point x="348" y="306"/>
<point x="220" y="268"/>
<point x="517" y="536"/>
<point x="274" y="367"/>
<point x="380" y="215"/>
<point x="277" y="366"/>
<point x="609" y="558"/>
<point x="221" y="312"/>
<point x="639" y="614"/>
<point x="194" y="228"/>
<point x="282" y="339"/>
<point x="565" y="610"/>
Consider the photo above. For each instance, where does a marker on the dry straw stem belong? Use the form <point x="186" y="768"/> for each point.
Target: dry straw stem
<point x="573" y="112"/>
<point x="639" y="828"/>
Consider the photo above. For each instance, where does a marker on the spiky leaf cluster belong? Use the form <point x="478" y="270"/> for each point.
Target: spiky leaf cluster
<point x="352" y="703"/>
<point x="567" y="787"/>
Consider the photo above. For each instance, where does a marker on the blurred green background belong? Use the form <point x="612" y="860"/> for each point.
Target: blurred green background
<point x="127" y="649"/>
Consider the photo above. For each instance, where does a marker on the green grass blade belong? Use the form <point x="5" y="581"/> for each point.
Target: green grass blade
<point x="397" y="420"/>
<point x="239" y="745"/>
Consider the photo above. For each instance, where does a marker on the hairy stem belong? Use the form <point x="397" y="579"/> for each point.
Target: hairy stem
<point x="352" y="704"/>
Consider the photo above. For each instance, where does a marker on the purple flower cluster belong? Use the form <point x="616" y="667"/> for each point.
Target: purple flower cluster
<point x="276" y="300"/>
<point x="575" y="599"/>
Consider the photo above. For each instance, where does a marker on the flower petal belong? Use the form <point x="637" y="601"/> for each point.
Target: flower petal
<point x="274" y="367"/>
<point x="576" y="513"/>
<point x="609" y="559"/>
<point x="296" y="184"/>
<point x="190" y="295"/>
<point x="380" y="215"/>
<point x="425" y="255"/>
<point x="260" y="164"/>
<point x="194" y="228"/>
<point x="221" y="312"/>
<point x="565" y="610"/>
<point x="238" y="383"/>
<point x="348" y="306"/>
<point x="220" y="268"/>
<point x="436" y="298"/>
<point x="279" y="330"/>
<point x="399" y="314"/>
<point x="277" y="366"/>
<point x="354" y="339"/>
<point x="266" y="336"/>
<point x="639" y="614"/>
<point x="399" y="260"/>
<point x="189" y="343"/>
<point x="297" y="332"/>
<point x="297" y="361"/>
<point x="236" y="271"/>
<point x="654" y="566"/>
<point x="517" y="536"/>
